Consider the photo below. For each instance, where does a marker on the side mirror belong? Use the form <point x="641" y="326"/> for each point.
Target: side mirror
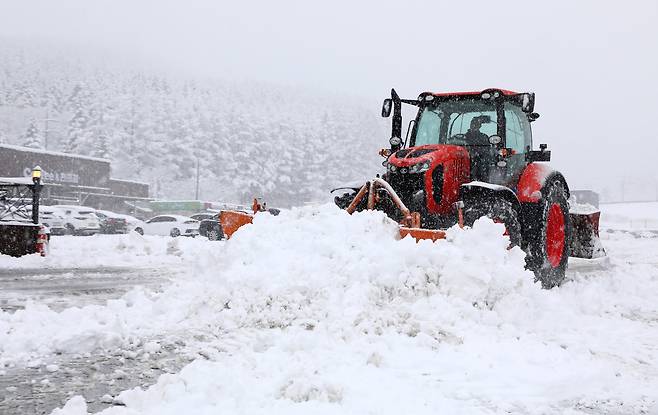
<point x="386" y="108"/>
<point x="528" y="102"/>
<point x="532" y="116"/>
<point x="495" y="140"/>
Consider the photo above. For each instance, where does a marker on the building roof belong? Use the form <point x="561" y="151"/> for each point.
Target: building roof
<point x="52" y="153"/>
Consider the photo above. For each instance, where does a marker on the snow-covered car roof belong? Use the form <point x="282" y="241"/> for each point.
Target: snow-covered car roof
<point x="109" y="213"/>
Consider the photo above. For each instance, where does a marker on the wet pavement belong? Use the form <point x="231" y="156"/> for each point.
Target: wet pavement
<point x="68" y="287"/>
<point x="99" y="376"/>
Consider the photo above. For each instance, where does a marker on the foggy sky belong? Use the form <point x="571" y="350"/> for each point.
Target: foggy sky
<point x="593" y="64"/>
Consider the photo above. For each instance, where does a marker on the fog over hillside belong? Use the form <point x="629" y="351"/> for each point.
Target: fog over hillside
<point x="289" y="145"/>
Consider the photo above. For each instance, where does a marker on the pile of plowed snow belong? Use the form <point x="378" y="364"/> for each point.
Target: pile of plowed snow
<point x="308" y="266"/>
<point x="316" y="311"/>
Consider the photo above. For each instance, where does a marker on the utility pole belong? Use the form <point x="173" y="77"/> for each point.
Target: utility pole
<point x="196" y="194"/>
<point x="46" y="129"/>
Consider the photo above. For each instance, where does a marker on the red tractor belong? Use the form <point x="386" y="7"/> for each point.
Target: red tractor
<point x="470" y="154"/>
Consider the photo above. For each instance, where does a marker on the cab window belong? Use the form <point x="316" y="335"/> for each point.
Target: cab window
<point x="429" y="126"/>
<point x="517" y="129"/>
<point x="461" y="122"/>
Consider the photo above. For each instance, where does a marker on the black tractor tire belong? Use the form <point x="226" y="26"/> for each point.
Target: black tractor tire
<point x="548" y="241"/>
<point x="174" y="233"/>
<point x="499" y="210"/>
<point x="215" y="234"/>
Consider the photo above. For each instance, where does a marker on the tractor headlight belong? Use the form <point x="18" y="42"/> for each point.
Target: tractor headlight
<point x="420" y="167"/>
<point x="416" y="168"/>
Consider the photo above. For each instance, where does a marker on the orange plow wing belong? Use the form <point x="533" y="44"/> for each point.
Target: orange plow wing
<point x="232" y="220"/>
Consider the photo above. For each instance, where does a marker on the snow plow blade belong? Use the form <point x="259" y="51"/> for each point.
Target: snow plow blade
<point x="420" y="233"/>
<point x="585" y="241"/>
<point x="410" y="223"/>
<point x="231" y="221"/>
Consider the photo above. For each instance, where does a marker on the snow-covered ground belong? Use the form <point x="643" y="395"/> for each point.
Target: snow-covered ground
<point x="314" y="311"/>
<point x="125" y="250"/>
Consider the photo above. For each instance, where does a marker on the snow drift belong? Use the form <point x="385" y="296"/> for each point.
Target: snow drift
<point x="315" y="311"/>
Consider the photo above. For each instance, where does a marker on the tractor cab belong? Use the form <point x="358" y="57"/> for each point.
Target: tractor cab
<point x="493" y="126"/>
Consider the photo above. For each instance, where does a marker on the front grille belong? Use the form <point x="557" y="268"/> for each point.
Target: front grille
<point x="406" y="184"/>
<point x="437" y="183"/>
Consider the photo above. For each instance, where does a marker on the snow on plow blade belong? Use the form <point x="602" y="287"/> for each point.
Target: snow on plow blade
<point x="585" y="241"/>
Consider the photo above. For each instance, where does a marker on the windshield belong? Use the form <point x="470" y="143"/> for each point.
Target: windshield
<point x="463" y="122"/>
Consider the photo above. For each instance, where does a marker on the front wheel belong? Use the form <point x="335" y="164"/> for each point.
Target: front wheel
<point x="174" y="233"/>
<point x="548" y="243"/>
<point x="215" y="234"/>
<point x="498" y="210"/>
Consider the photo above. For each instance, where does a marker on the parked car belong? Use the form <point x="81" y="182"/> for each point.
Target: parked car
<point x="172" y="225"/>
<point x="79" y="220"/>
<point x="202" y="216"/>
<point x="211" y="228"/>
<point x="53" y="219"/>
<point x="111" y="222"/>
<point x="134" y="224"/>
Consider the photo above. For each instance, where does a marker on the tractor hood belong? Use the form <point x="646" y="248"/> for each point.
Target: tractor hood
<point x="432" y="153"/>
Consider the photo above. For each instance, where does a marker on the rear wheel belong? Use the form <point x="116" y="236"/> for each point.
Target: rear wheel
<point x="174" y="233"/>
<point x="548" y="245"/>
<point x="499" y="210"/>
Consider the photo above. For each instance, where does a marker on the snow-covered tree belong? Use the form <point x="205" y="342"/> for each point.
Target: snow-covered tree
<point x="251" y="139"/>
<point x="77" y="132"/>
<point x="32" y="136"/>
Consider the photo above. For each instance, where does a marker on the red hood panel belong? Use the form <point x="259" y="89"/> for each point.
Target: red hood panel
<point x="435" y="153"/>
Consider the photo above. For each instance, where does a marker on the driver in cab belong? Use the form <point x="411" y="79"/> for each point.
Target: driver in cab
<point x="474" y="136"/>
<point x="479" y="148"/>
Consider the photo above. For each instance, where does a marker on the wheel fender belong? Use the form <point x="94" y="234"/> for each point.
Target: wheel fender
<point x="533" y="180"/>
<point x="472" y="191"/>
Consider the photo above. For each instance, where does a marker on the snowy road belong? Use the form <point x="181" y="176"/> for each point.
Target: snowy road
<point x="73" y="287"/>
<point x="37" y="390"/>
<point x="328" y="325"/>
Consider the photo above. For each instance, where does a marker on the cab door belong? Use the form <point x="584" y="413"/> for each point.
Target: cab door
<point x="518" y="139"/>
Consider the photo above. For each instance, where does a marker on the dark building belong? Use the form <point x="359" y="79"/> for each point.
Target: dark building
<point x="73" y="179"/>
